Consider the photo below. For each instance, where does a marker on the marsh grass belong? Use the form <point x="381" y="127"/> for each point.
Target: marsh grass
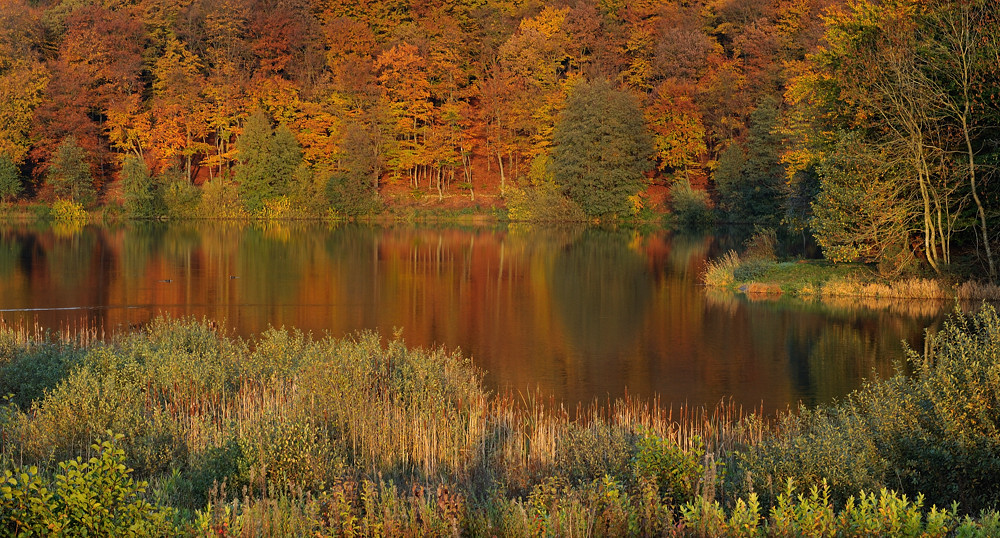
<point x="289" y="434"/>
<point x="719" y="273"/>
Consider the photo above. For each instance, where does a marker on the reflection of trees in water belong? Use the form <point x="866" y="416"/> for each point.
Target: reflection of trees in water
<point x="271" y="266"/>
<point x="687" y="255"/>
<point x="826" y="363"/>
<point x="69" y="258"/>
<point x="830" y="349"/>
<point x="354" y="251"/>
<point x="10" y="254"/>
<point x="601" y="289"/>
<point x="526" y="238"/>
<point x="140" y="242"/>
<point x="179" y="242"/>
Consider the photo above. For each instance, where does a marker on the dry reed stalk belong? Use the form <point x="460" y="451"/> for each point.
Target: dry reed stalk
<point x="978" y="291"/>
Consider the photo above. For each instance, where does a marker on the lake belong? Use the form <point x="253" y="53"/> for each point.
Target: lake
<point x="573" y="313"/>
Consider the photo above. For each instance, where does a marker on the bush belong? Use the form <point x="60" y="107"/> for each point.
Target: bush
<point x="28" y="371"/>
<point x="813" y="514"/>
<point x="676" y="472"/>
<point x="541" y="204"/>
<point x="935" y="432"/>
<point x="10" y="179"/>
<point x="690" y="206"/>
<point x="220" y="200"/>
<point x="762" y="245"/>
<point x="68" y="211"/>
<point x="180" y="197"/>
<point x="752" y="269"/>
<point x="350" y="194"/>
<point x="96" y="497"/>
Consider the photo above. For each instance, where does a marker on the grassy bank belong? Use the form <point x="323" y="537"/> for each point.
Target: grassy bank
<point x="289" y="434"/>
<point x="758" y="272"/>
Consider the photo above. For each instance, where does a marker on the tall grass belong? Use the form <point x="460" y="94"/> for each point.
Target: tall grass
<point x="719" y="273"/>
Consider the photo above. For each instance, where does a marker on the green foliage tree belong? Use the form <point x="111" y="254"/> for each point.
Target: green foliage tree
<point x="751" y="181"/>
<point x="137" y="188"/>
<point x="268" y="161"/>
<point x="252" y="175"/>
<point x="689" y="206"/>
<point x="350" y="190"/>
<point x="10" y="179"/>
<point x="863" y="211"/>
<point x="284" y="157"/>
<point x="602" y="149"/>
<point x="69" y="173"/>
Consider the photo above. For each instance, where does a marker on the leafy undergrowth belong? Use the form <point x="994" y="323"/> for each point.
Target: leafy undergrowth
<point x="291" y="435"/>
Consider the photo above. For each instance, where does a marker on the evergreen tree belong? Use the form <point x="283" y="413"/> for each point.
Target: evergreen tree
<point x="751" y="182"/>
<point x="137" y="188"/>
<point x="602" y="149"/>
<point x="729" y="181"/>
<point x="350" y="190"/>
<point x="69" y="173"/>
<point x="268" y="161"/>
<point x="284" y="157"/>
<point x="253" y="174"/>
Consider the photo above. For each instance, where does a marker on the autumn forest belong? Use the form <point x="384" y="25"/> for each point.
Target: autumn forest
<point x="870" y="125"/>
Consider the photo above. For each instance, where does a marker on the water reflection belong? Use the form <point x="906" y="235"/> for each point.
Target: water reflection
<point x="576" y="312"/>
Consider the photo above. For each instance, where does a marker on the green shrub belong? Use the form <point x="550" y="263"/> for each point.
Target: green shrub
<point x="351" y="194"/>
<point x="180" y="197"/>
<point x="690" y="206"/>
<point x="220" y="200"/>
<point x="676" y="472"/>
<point x="10" y="179"/>
<point x="541" y="204"/>
<point x="26" y="372"/>
<point x="761" y="245"/>
<point x="94" y="497"/>
<point x="752" y="269"/>
<point x="289" y="451"/>
<point x="934" y="432"/>
<point x="813" y="514"/>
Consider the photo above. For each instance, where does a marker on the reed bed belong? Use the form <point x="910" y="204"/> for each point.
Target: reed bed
<point x="913" y="288"/>
<point x="978" y="291"/>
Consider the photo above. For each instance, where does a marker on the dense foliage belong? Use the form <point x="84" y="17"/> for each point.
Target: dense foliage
<point x="291" y="435"/>
<point x="869" y="124"/>
<point x="446" y="97"/>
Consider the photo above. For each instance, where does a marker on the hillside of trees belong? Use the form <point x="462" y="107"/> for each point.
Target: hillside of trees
<point x="870" y="124"/>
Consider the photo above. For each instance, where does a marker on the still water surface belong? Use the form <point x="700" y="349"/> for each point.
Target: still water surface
<point x="574" y="313"/>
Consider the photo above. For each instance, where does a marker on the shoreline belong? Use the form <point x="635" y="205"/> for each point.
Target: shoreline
<point x="824" y="280"/>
